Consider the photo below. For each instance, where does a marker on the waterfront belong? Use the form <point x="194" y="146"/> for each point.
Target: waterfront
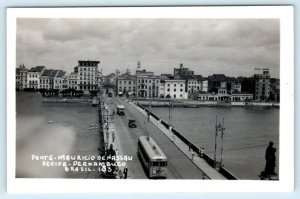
<point x="247" y="134"/>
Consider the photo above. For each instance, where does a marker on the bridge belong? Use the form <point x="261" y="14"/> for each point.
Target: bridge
<point x="182" y="162"/>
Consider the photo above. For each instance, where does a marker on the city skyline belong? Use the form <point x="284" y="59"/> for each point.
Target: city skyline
<point x="207" y="46"/>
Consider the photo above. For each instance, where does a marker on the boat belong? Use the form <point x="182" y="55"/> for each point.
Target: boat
<point x="190" y="106"/>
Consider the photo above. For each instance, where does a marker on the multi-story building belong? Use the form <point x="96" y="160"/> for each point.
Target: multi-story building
<point x="73" y="81"/>
<point x="21" y="77"/>
<point x="33" y="77"/>
<point x="59" y="81"/>
<point x="235" y="87"/>
<point x="126" y="85"/>
<point x="88" y="75"/>
<point x="262" y="84"/>
<point x="175" y="89"/>
<point x="204" y="85"/>
<point x="148" y="86"/>
<point x="46" y="79"/>
<point x="183" y="71"/>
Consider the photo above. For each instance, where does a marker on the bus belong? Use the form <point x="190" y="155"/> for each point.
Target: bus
<point x="152" y="157"/>
<point x="120" y="110"/>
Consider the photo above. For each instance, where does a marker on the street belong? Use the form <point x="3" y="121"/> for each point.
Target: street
<point x="179" y="166"/>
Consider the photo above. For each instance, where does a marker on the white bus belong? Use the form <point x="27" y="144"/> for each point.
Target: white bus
<point x="152" y="157"/>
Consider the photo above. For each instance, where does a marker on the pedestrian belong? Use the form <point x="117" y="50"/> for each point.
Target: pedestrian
<point x="270" y="160"/>
<point x="125" y="171"/>
<point x="120" y="174"/>
<point x="193" y="155"/>
<point x="190" y="146"/>
<point x="173" y="137"/>
<point x="113" y="136"/>
<point x="201" y="152"/>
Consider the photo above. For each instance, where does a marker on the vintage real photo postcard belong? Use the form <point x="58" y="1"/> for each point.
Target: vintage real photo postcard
<point x="197" y="98"/>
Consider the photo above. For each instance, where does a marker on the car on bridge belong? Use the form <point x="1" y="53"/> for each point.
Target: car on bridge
<point x="131" y="124"/>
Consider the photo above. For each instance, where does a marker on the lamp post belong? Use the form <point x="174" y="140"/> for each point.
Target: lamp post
<point x="219" y="128"/>
<point x="222" y="135"/>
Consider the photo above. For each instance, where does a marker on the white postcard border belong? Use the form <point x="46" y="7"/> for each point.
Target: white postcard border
<point x="286" y="163"/>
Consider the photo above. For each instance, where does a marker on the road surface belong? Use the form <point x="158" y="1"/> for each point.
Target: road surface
<point x="179" y="166"/>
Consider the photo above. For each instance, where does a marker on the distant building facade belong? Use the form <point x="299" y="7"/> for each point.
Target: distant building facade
<point x="126" y="85"/>
<point x="182" y="71"/>
<point x="87" y="74"/>
<point x="262" y="84"/>
<point x="33" y="77"/>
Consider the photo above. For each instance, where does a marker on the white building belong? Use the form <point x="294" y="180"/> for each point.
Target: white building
<point x="73" y="81"/>
<point x="204" y="86"/>
<point x="59" y="80"/>
<point x="33" y="77"/>
<point x="88" y="75"/>
<point x="175" y="89"/>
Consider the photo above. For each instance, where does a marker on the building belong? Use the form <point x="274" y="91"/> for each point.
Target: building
<point x="262" y="84"/>
<point x="21" y="77"/>
<point x="88" y="75"/>
<point x="204" y="85"/>
<point x="275" y="89"/>
<point x="33" y="77"/>
<point x="46" y="79"/>
<point x="59" y="81"/>
<point x="183" y="71"/>
<point x="147" y="83"/>
<point x="235" y="87"/>
<point x="73" y="81"/>
<point x="175" y="89"/>
<point x="215" y="81"/>
<point x="126" y="85"/>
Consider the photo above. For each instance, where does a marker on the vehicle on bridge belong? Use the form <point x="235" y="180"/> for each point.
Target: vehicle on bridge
<point x="120" y="110"/>
<point x="131" y="124"/>
<point x="152" y="157"/>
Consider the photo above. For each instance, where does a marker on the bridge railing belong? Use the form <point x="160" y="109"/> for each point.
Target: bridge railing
<point x="205" y="156"/>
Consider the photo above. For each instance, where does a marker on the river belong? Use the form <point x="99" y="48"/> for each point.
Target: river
<point x="45" y="128"/>
<point x="248" y="130"/>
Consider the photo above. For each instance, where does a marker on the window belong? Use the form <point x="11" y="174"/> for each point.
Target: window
<point x="174" y="89"/>
<point x="181" y="85"/>
<point x="168" y="89"/>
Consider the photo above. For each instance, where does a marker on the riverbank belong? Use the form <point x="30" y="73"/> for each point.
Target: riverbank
<point x="196" y="104"/>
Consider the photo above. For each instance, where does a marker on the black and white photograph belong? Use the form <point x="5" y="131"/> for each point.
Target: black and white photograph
<point x="161" y="98"/>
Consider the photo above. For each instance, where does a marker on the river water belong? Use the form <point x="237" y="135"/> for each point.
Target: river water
<point x="248" y="130"/>
<point x="45" y="128"/>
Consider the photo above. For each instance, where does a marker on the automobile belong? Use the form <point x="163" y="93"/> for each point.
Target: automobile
<point x="131" y="124"/>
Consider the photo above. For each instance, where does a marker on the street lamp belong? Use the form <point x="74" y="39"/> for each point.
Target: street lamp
<point x="219" y="128"/>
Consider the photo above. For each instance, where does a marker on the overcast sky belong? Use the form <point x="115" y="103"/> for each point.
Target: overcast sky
<point x="233" y="47"/>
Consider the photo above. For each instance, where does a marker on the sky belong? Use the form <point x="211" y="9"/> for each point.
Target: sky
<point x="234" y="47"/>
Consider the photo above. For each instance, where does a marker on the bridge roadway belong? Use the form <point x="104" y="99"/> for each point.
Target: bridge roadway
<point x="179" y="165"/>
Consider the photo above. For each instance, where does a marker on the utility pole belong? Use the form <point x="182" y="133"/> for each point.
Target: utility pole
<point x="222" y="135"/>
<point x="219" y="128"/>
<point x="108" y="120"/>
<point x="215" y="154"/>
